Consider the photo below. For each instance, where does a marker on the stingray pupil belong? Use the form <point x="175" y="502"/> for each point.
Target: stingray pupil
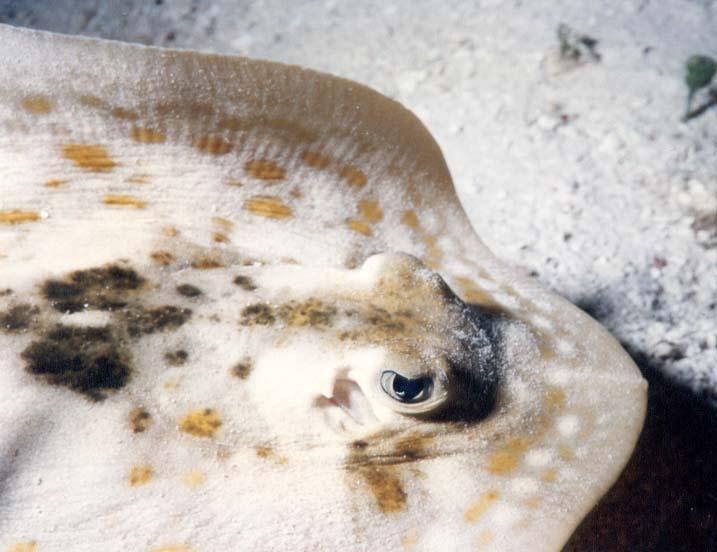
<point x="406" y="389"/>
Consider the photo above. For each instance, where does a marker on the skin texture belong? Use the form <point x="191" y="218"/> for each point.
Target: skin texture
<point x="210" y="263"/>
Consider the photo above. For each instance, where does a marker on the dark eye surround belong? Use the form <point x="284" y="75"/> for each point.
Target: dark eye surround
<point x="406" y="390"/>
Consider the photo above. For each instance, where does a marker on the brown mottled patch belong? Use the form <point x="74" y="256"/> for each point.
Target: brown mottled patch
<point x="258" y="314"/>
<point x="213" y="144"/>
<point x="566" y="453"/>
<point x="193" y="478"/>
<point x="532" y="502"/>
<point x="234" y="183"/>
<point x="545" y="347"/>
<point x="145" y="135"/>
<point x="230" y="123"/>
<point x="264" y="451"/>
<point x="315" y="159"/>
<point x="311" y="312"/>
<point x="104" y="288"/>
<point x="125" y="114"/>
<point x="176" y="358"/>
<point x="220" y="237"/>
<point x="387" y="489"/>
<point x="244" y="282"/>
<point x="124" y="201"/>
<point x="24" y="546"/>
<point x="144" y="321"/>
<point x="242" y="369"/>
<point x="206" y="263"/>
<point x="37" y="105"/>
<point x="353" y="175"/>
<point x="18" y="318"/>
<point x="162" y="257"/>
<point x="88" y="156"/>
<point x="139" y="420"/>
<point x="554" y="399"/>
<point x="18" y="216"/>
<point x="188" y="290"/>
<point x="54" y="183"/>
<point x="140" y="475"/>
<point x="476" y="510"/>
<point x="224" y="223"/>
<point x="263" y="169"/>
<point x="87" y="360"/>
<point x="359" y="227"/>
<point x="269" y="207"/>
<point x="485" y="538"/>
<point x="201" y="423"/>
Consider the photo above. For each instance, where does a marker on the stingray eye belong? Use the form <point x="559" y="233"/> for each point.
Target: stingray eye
<point x="406" y="390"/>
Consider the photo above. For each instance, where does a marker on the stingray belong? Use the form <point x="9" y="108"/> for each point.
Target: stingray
<point x="241" y="308"/>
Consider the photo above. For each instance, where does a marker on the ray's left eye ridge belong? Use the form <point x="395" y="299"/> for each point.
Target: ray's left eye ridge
<point x="406" y="390"/>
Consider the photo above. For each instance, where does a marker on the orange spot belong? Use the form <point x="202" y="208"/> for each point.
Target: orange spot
<point x="206" y="263"/>
<point x="485" y="538"/>
<point x="200" y="423"/>
<point x="162" y="257"/>
<point x="315" y="159"/>
<point x="235" y="183"/>
<point x="549" y="476"/>
<point x="138" y="179"/>
<point x="353" y="176"/>
<point x="17" y="216"/>
<point x="409" y="541"/>
<point x="124" y="201"/>
<point x="146" y="135"/>
<point x="92" y="101"/>
<point x="54" y="183"/>
<point x="265" y="170"/>
<point x="268" y="206"/>
<point x="547" y="352"/>
<point x="39" y="105"/>
<point x="506" y="461"/>
<point x="93" y="158"/>
<point x="26" y="546"/>
<point x="140" y="475"/>
<point x="532" y="502"/>
<point x="370" y="211"/>
<point x="224" y="223"/>
<point x="410" y="219"/>
<point x="122" y="113"/>
<point x="476" y="510"/>
<point x="473" y="294"/>
<point x="358" y="226"/>
<point x="172" y="548"/>
<point x="193" y="478"/>
<point x="170" y="231"/>
<point x="218" y="237"/>
<point x="213" y="144"/>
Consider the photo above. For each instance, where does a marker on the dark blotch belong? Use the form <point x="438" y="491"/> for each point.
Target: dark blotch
<point x="18" y="318"/>
<point x="245" y="283"/>
<point x="242" y="369"/>
<point x="86" y="360"/>
<point x="139" y="420"/>
<point x="148" y="321"/>
<point x="257" y="314"/>
<point x="176" y="358"/>
<point x="188" y="290"/>
<point x="96" y="288"/>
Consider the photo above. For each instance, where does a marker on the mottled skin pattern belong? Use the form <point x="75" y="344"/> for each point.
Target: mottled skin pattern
<point x="207" y="264"/>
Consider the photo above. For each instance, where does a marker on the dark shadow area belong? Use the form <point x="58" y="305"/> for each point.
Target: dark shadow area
<point x="666" y="499"/>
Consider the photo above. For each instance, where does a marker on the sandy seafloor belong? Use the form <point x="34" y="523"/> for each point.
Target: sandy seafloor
<point x="579" y="172"/>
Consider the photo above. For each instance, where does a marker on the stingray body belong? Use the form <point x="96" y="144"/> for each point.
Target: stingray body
<point x="242" y="308"/>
